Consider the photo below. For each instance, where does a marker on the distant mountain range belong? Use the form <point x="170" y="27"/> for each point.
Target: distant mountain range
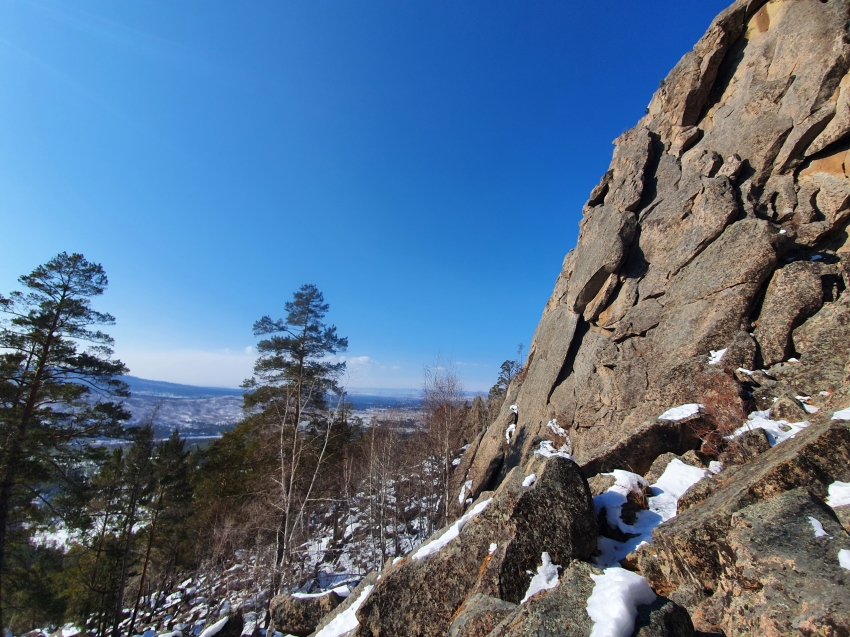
<point x="203" y="413"/>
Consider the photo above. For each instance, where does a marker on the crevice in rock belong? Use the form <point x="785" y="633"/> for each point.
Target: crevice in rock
<point x="650" y="173"/>
<point x="725" y="72"/>
<point x="582" y="328"/>
<point x="842" y="144"/>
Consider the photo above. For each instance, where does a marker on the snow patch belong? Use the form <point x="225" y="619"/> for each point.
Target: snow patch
<point x="716" y="355"/>
<point x="529" y="480"/>
<point x="215" y="628"/>
<point x="844" y="559"/>
<point x="681" y="412"/>
<point x="546" y="578"/>
<point x="513" y="408"/>
<point x="677" y="478"/>
<point x="547" y="450"/>
<point x="839" y="494"/>
<point x="493" y="547"/>
<point x="613" y="604"/>
<point x="467" y="486"/>
<point x="842" y="414"/>
<point x="510" y="432"/>
<point x="715" y="466"/>
<point x="451" y="533"/>
<point x="556" y="428"/>
<point x="346" y="621"/>
<point x="818" y="527"/>
<point x="777" y="430"/>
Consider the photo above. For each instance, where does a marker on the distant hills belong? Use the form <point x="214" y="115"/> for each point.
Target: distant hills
<point x="203" y="413"/>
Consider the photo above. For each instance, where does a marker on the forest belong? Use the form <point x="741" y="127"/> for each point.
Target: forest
<point x="96" y="516"/>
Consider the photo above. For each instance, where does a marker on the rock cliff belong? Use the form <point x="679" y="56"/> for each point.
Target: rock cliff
<point x="709" y="282"/>
<point x="721" y="224"/>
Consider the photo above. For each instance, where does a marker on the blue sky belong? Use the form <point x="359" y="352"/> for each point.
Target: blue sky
<point x="424" y="163"/>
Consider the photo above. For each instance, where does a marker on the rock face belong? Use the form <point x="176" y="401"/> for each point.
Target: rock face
<point x="721" y="224"/>
<point x="709" y="282"/>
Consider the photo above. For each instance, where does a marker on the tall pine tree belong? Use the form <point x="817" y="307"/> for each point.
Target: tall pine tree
<point x="57" y="385"/>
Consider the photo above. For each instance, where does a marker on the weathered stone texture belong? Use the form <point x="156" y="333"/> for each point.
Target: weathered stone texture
<point x="702" y="232"/>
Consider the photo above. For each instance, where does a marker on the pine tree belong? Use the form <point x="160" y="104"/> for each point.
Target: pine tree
<point x="54" y="396"/>
<point x="291" y="382"/>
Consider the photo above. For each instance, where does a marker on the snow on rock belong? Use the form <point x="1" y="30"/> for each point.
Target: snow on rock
<point x="309" y="595"/>
<point x="493" y="547"/>
<point x="510" y="432"/>
<point x="612" y="606"/>
<point x="215" y="628"/>
<point x="777" y="430"/>
<point x="456" y="462"/>
<point x="716" y="355"/>
<point x="514" y="408"/>
<point x="556" y="428"/>
<point x="451" y="533"/>
<point x="547" y="450"/>
<point x="839" y="494"/>
<point x="70" y="630"/>
<point x="844" y="558"/>
<point x="529" y="480"/>
<point x="681" y="412"/>
<point x="818" y="527"/>
<point x="546" y="578"/>
<point x="715" y="466"/>
<point x="346" y="621"/>
<point x="467" y="486"/>
<point x="842" y="414"/>
<point x="677" y="478"/>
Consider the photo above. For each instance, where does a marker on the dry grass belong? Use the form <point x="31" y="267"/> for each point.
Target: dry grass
<point x="724" y="412"/>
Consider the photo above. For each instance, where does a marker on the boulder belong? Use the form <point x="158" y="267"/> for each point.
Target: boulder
<point x="558" y="611"/>
<point x="492" y="554"/>
<point x="779" y="576"/>
<point x="300" y="614"/>
<point x="356" y="593"/>
<point x="687" y="557"/>
<point x="562" y="611"/>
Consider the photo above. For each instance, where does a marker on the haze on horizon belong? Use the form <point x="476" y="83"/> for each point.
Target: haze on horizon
<point x="424" y="164"/>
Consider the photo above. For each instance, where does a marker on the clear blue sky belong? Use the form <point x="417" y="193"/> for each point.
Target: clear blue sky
<point x="424" y="163"/>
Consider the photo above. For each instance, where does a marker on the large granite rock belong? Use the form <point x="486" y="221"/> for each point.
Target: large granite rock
<point x="493" y="553"/>
<point x="562" y="612"/>
<point x="779" y="577"/>
<point x="690" y="556"/>
<point x="724" y="214"/>
<point x="300" y="614"/>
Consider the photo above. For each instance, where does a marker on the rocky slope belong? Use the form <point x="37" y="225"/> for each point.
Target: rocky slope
<point x="720" y="225"/>
<point x="709" y="282"/>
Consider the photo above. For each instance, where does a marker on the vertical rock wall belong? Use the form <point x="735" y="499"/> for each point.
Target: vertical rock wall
<point x="721" y="223"/>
